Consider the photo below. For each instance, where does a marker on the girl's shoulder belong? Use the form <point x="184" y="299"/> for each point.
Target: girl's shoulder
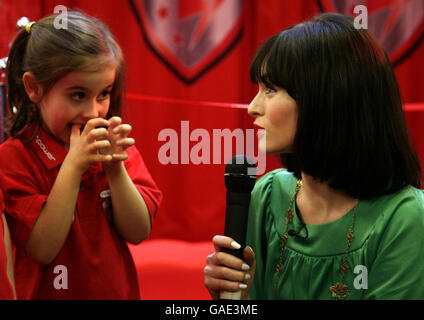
<point x="12" y="150"/>
<point x="11" y="144"/>
<point x="16" y="159"/>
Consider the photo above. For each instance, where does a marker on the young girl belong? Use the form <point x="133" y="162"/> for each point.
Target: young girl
<point x="76" y="187"/>
<point x="7" y="282"/>
<point x="346" y="219"/>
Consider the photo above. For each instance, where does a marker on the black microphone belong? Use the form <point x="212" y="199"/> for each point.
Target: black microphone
<point x="294" y="233"/>
<point x="240" y="178"/>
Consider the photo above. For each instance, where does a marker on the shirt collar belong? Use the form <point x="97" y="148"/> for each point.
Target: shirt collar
<point x="50" y="151"/>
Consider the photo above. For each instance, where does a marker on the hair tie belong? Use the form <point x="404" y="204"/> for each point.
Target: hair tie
<point x="28" y="26"/>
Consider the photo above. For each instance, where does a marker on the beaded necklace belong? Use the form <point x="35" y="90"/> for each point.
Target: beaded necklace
<point x="340" y="290"/>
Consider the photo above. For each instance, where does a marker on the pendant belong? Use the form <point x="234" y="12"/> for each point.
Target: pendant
<point x="339" y="291"/>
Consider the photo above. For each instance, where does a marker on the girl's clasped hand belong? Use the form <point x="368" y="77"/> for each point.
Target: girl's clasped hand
<point x="99" y="140"/>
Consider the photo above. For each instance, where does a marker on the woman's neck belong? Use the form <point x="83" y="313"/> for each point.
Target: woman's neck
<point x="319" y="203"/>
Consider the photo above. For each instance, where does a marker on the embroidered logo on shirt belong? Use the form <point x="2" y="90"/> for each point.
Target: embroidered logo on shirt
<point x="44" y="148"/>
<point x="105" y="194"/>
<point x="107" y="204"/>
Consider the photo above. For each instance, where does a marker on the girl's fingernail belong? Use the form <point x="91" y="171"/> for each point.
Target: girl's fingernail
<point x="245" y="267"/>
<point x="243" y="286"/>
<point x="247" y="276"/>
<point x="235" y="245"/>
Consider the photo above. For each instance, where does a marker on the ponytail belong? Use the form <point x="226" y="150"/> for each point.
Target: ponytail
<point x="22" y="110"/>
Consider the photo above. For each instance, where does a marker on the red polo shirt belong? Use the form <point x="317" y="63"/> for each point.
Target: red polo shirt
<point x="94" y="262"/>
<point x="6" y="291"/>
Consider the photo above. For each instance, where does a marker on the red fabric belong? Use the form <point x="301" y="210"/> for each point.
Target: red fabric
<point x="171" y="269"/>
<point x="6" y="292"/>
<point x="98" y="262"/>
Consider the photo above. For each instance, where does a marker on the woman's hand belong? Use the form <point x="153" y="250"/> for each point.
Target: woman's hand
<point x="224" y="272"/>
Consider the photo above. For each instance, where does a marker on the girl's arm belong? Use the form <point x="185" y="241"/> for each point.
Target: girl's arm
<point x="130" y="213"/>
<point x="54" y="222"/>
<point x="9" y="256"/>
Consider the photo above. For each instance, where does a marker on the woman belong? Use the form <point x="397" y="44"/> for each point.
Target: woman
<point x="345" y="220"/>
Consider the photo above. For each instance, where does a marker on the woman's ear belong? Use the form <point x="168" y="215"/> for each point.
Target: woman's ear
<point x="33" y="89"/>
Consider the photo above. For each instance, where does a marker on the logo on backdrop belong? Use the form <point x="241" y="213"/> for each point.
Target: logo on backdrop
<point x="397" y="24"/>
<point x="190" y="36"/>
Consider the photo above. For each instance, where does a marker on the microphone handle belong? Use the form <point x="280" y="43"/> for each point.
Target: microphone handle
<point x="236" y="220"/>
<point x="235" y="227"/>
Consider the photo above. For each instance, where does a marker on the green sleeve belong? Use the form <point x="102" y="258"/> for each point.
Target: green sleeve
<point x="257" y="230"/>
<point x="397" y="268"/>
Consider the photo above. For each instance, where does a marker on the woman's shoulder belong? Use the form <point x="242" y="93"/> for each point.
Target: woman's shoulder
<point x="408" y="201"/>
<point x="281" y="178"/>
<point x="399" y="212"/>
<point x="408" y="206"/>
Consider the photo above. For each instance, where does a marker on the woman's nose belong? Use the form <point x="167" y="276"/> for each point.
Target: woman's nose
<point x="255" y="108"/>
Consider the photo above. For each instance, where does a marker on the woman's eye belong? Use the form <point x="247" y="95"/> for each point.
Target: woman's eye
<point x="78" y="96"/>
<point x="269" y="90"/>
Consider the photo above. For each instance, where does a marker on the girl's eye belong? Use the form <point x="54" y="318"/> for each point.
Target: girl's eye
<point x="78" y="96"/>
<point x="104" y="95"/>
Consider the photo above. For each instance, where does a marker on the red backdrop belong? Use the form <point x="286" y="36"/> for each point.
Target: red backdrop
<point x="194" y="195"/>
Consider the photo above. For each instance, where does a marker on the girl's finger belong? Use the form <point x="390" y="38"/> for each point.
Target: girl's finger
<point x="101" y="144"/>
<point x="125" y="143"/>
<point x="123" y="129"/>
<point x="97" y="134"/>
<point x="120" y="156"/>
<point x="75" y="130"/>
<point x="115" y="121"/>
<point x="93" y="123"/>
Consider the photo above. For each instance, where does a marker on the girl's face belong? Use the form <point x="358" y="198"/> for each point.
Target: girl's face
<point x="275" y="111"/>
<point x="75" y="99"/>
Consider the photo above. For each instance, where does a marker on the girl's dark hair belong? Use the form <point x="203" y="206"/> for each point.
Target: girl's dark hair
<point x="50" y="53"/>
<point x="351" y="130"/>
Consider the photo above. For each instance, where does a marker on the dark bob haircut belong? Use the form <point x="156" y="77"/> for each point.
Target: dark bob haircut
<point x="351" y="130"/>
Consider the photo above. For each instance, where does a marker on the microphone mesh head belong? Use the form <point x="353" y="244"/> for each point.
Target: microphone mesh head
<point x="237" y="176"/>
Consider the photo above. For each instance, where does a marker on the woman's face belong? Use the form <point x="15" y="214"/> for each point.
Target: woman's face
<point x="275" y="111"/>
<point x="75" y="99"/>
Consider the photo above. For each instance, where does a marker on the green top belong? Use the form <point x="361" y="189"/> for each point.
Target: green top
<point x="385" y="260"/>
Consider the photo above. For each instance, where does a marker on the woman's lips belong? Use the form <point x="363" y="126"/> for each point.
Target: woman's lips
<point x="260" y="129"/>
<point x="257" y="126"/>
